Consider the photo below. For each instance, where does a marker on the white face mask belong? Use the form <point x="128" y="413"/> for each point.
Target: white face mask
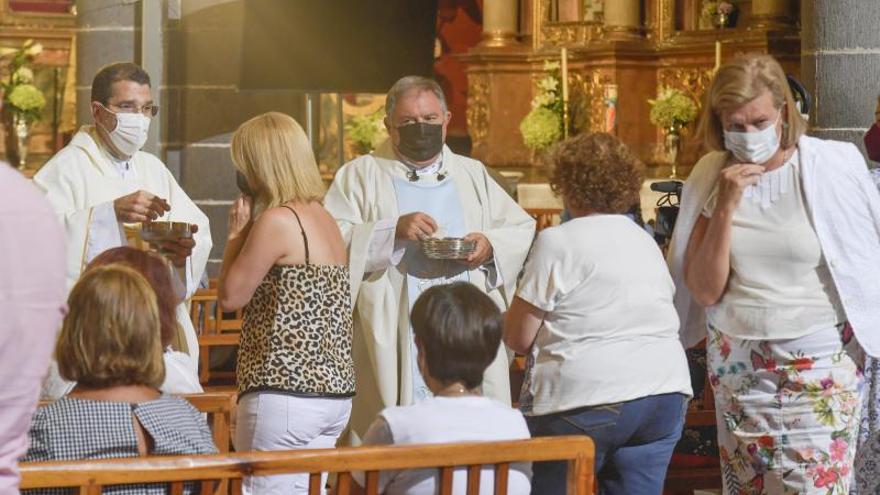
<point x="753" y="147"/>
<point x="130" y="133"/>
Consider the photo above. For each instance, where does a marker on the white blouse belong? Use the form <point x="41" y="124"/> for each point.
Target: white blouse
<point x="779" y="285"/>
<point x="844" y="207"/>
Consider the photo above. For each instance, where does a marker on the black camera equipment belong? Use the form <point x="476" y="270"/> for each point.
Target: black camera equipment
<point x="667" y="209"/>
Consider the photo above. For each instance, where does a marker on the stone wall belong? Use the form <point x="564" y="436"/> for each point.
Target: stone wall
<point x="840" y="64"/>
<point x="197" y="88"/>
<point x="205" y="104"/>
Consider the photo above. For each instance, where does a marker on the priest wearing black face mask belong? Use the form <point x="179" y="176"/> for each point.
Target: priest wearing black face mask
<point x="411" y="188"/>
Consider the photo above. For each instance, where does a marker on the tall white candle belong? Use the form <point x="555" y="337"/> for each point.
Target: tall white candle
<point x="564" y="74"/>
<point x="717" y="55"/>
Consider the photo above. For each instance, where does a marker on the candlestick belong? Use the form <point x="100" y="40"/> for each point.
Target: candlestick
<point x="564" y="77"/>
<point x="564" y="57"/>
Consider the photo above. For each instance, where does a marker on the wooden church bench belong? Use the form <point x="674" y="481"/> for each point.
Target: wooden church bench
<point x="544" y="217"/>
<point x="219" y="407"/>
<point x="214" y="328"/>
<point x="91" y="476"/>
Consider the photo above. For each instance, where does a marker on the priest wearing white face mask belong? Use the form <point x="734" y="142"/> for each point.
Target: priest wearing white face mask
<point x="411" y="188"/>
<point x="775" y="253"/>
<point x="101" y="180"/>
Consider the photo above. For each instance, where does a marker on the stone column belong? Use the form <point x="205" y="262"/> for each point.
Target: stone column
<point x="152" y="59"/>
<point x="499" y="23"/>
<point x="623" y="17"/>
<point x="771" y="14"/>
<point x="106" y="32"/>
<point x="840" y="62"/>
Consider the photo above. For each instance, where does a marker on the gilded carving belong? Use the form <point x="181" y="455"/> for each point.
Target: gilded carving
<point x="478" y="107"/>
<point x="691" y="80"/>
<point x="571" y="33"/>
<point x="588" y="100"/>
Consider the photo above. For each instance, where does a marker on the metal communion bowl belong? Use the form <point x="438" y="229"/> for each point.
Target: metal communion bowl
<point x="448" y="248"/>
<point x="153" y="232"/>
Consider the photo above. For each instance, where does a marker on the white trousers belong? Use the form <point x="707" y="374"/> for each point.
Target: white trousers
<point x="272" y="421"/>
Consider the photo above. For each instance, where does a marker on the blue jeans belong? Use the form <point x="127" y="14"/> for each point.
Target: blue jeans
<point x="634" y="442"/>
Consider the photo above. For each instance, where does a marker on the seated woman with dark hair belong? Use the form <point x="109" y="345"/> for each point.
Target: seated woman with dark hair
<point x="110" y="346"/>
<point x="457" y="333"/>
<point x="180" y="371"/>
<point x="595" y="316"/>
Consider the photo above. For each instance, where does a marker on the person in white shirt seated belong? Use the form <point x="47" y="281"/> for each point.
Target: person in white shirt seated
<point x="179" y="377"/>
<point x="457" y="333"/>
<point x="594" y="314"/>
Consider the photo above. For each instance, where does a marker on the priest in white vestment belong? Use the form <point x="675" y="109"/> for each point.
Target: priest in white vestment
<point x="414" y="187"/>
<point x="101" y="180"/>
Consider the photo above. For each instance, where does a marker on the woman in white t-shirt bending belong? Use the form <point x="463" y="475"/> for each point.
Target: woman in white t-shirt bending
<point x="594" y="314"/>
<point x="457" y="333"/>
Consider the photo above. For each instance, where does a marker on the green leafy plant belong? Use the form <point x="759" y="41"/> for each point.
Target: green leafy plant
<point x="542" y="126"/>
<point x="20" y="96"/>
<point x="366" y="131"/>
<point x="672" y="108"/>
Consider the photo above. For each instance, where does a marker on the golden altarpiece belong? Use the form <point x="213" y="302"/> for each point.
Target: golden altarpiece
<point x="631" y="47"/>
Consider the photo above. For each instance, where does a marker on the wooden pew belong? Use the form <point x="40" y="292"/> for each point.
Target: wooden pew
<point x="213" y="327"/>
<point x="218" y="406"/>
<point x="91" y="476"/>
<point x="544" y="217"/>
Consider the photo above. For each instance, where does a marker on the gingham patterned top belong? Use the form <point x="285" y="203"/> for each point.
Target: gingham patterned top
<point x="78" y="429"/>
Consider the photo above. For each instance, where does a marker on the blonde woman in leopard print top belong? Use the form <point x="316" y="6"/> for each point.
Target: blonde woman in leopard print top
<point x="285" y="262"/>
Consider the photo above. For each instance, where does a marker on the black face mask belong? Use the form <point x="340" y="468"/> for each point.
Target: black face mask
<point x="420" y="141"/>
<point x="242" y="184"/>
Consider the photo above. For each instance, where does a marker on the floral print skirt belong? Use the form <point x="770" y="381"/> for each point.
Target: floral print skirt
<point x="788" y="411"/>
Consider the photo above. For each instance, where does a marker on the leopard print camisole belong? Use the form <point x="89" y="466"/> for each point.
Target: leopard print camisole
<point x="297" y="330"/>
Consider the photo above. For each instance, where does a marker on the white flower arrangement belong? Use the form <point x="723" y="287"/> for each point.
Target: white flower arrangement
<point x="20" y="95"/>
<point x="542" y="126"/>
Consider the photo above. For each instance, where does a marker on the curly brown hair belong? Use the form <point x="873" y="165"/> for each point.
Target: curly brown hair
<point x="597" y="173"/>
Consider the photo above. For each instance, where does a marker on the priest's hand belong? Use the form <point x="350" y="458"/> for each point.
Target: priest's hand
<point x="482" y="254"/>
<point x="240" y="217"/>
<point x="415" y="227"/>
<point x="139" y="206"/>
<point x="177" y="251"/>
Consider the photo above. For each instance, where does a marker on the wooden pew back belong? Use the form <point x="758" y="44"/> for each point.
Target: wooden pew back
<point x="214" y="328"/>
<point x="544" y="217"/>
<point x="91" y="476"/>
<point x="218" y="406"/>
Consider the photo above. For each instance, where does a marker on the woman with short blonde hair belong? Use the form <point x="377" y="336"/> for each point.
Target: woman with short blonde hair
<point x="286" y="263"/>
<point x="739" y="83"/>
<point x="775" y="253"/>
<point x="115" y="341"/>
<point x="275" y="155"/>
<point x="110" y="346"/>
